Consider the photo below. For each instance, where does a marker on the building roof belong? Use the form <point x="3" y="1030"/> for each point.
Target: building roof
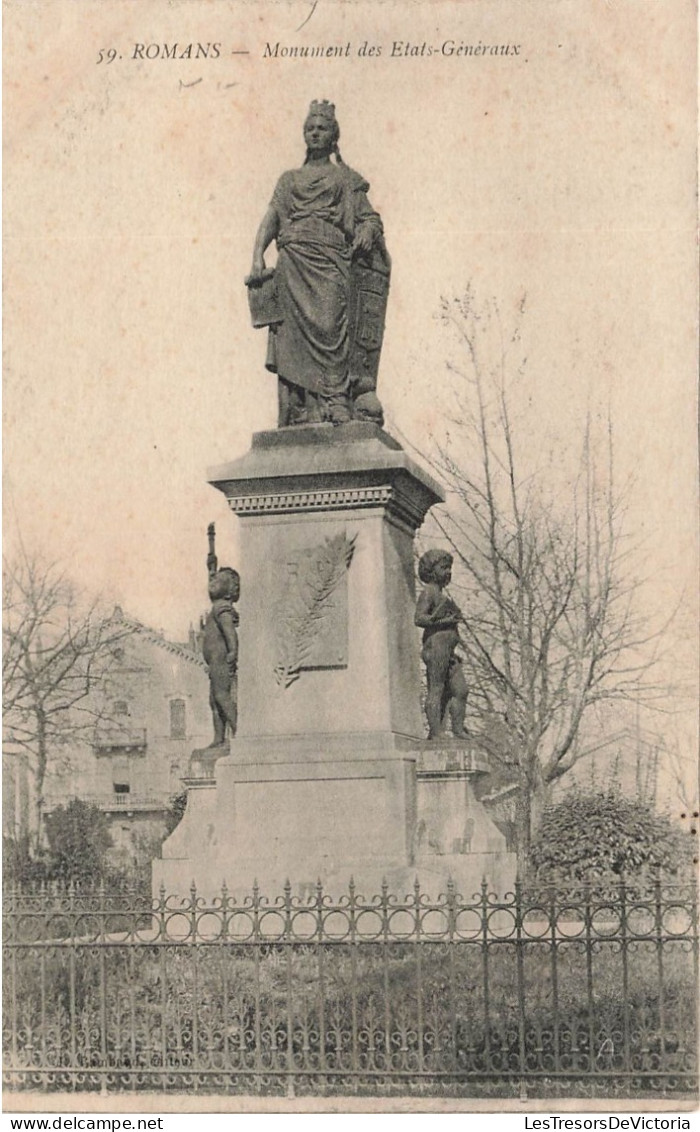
<point x="176" y="648"/>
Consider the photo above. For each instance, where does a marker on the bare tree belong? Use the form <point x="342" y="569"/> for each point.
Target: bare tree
<point x="56" y="651"/>
<point x="552" y="621"/>
<point x="682" y="779"/>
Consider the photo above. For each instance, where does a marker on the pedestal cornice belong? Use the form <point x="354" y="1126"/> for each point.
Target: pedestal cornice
<point x="320" y="468"/>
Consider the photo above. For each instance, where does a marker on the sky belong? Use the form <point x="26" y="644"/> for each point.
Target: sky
<point x="133" y="189"/>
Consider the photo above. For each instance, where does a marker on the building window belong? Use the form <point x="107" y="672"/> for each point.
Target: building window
<point x="121" y="776"/>
<point x="177" y="720"/>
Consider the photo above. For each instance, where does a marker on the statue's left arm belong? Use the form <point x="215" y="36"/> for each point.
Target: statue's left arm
<point x="368" y="223"/>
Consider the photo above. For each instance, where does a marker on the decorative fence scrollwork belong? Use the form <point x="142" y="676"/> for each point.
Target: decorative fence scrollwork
<point x="581" y="993"/>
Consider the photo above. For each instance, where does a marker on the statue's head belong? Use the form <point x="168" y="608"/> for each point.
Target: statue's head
<point x="435" y="566"/>
<point x="225" y="582"/>
<point x="321" y="130"/>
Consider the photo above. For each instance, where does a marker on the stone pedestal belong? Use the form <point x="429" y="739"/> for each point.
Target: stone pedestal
<point x="455" y="836"/>
<point x="191" y="844"/>
<point x="321" y="779"/>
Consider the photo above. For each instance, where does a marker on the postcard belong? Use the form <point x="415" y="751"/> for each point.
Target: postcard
<point x="316" y="309"/>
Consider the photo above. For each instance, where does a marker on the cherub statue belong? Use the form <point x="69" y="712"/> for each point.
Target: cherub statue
<point x="438" y="616"/>
<point x="220" y="645"/>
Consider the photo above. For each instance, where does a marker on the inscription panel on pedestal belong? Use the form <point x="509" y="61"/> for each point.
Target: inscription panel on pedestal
<point x="311" y="613"/>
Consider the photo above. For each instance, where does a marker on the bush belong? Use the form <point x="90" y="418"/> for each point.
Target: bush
<point x="606" y="836"/>
<point x="21" y="864"/>
<point x="79" y="839"/>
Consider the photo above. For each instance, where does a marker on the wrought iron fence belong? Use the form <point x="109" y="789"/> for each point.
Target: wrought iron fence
<point x="589" y="993"/>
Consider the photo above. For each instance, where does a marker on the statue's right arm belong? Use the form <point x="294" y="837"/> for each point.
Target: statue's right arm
<point x="267" y="232"/>
<point x="228" y="628"/>
<point x="433" y="610"/>
<point x="424" y="609"/>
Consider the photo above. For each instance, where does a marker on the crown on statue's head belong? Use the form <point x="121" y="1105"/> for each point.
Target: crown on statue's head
<point x="323" y="109"/>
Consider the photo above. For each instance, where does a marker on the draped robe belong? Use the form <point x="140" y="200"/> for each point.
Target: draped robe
<point x="319" y="210"/>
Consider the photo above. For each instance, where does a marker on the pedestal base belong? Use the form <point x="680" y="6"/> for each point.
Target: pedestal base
<point x="190" y="846"/>
<point x="450" y="819"/>
<point x="297" y="808"/>
<point x="336" y="809"/>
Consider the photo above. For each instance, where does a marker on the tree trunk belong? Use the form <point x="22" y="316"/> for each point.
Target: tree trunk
<point x="531" y="801"/>
<point x="40" y="774"/>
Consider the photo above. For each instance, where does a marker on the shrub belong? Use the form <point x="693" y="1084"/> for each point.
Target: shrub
<point x="79" y="839"/>
<point x="21" y="864"/>
<point x="606" y="836"/>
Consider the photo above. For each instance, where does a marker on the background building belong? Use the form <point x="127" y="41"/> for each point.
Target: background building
<point x="154" y="704"/>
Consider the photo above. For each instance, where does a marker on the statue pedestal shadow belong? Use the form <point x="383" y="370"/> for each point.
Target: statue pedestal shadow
<point x="323" y="778"/>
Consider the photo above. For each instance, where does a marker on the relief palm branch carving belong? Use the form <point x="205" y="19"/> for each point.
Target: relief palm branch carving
<point x="302" y="613"/>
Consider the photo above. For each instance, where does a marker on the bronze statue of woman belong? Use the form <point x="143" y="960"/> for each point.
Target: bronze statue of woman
<point x="330" y="282"/>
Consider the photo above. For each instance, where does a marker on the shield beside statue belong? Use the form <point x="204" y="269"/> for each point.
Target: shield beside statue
<point x="369" y="291"/>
